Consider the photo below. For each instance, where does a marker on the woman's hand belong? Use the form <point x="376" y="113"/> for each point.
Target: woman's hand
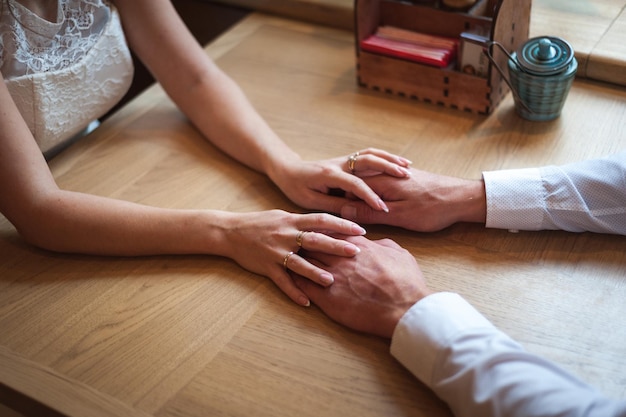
<point x="268" y="242"/>
<point x="323" y="185"/>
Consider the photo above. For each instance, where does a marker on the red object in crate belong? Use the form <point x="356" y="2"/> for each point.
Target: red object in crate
<point x="432" y="50"/>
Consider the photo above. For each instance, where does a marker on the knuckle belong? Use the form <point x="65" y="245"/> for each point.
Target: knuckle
<point x="312" y="239"/>
<point x="392" y="244"/>
<point x="319" y="218"/>
<point x="326" y="170"/>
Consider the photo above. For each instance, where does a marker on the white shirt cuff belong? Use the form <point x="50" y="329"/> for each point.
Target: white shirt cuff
<point x="515" y="199"/>
<point x="426" y="330"/>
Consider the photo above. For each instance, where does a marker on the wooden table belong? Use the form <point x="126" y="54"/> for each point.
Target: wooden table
<point x="596" y="29"/>
<point x="199" y="336"/>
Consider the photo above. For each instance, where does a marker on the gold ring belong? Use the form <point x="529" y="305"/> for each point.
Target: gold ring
<point x="352" y="161"/>
<point x="300" y="237"/>
<point x="286" y="259"/>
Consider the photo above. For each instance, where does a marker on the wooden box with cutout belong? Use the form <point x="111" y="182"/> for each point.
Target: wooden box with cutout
<point x="504" y="21"/>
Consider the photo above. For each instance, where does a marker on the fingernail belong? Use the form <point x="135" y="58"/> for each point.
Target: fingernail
<point x="351" y="249"/>
<point x="404" y="171"/>
<point x="383" y="206"/>
<point x="348" y="212"/>
<point x="358" y="230"/>
<point x="303" y="301"/>
<point x="407" y="161"/>
<point x="326" y="278"/>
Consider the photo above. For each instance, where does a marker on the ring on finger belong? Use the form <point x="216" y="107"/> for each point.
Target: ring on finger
<point x="352" y="161"/>
<point x="300" y="237"/>
<point x="286" y="259"/>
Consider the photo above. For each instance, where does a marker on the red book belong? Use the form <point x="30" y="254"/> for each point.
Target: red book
<point x="425" y="49"/>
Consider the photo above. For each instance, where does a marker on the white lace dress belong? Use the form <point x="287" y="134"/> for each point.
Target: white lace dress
<point x="63" y="74"/>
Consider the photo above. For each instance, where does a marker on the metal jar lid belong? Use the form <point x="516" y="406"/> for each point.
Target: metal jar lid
<point x="545" y="55"/>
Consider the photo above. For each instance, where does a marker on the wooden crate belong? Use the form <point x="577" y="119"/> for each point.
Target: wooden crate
<point x="509" y="22"/>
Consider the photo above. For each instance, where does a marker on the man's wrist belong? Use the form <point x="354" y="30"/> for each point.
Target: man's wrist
<point x="400" y="311"/>
<point x="471" y="202"/>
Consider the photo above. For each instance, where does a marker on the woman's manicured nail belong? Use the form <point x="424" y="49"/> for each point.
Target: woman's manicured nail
<point x="326" y="278"/>
<point x="351" y="249"/>
<point x="356" y="229"/>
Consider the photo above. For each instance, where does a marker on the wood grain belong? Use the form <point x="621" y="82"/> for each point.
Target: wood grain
<point x="51" y="393"/>
<point x="606" y="61"/>
<point x="595" y="28"/>
<point x="197" y="335"/>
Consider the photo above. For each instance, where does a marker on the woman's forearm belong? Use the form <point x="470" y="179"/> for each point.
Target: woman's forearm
<point x="205" y="94"/>
<point x="233" y="125"/>
<point x="66" y="221"/>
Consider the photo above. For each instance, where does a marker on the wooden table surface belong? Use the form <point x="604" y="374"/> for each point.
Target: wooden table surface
<point x="199" y="336"/>
<point x="596" y="29"/>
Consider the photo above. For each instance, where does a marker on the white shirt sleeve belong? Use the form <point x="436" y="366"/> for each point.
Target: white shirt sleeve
<point x="583" y="196"/>
<point x="480" y="371"/>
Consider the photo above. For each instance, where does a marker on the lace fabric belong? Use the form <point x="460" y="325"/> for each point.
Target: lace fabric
<point x="39" y="45"/>
<point x="65" y="73"/>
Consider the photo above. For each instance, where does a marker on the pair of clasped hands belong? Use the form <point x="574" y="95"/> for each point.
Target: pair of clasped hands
<point x="304" y="239"/>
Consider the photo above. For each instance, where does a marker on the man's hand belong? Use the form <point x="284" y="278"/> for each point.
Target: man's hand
<point x="372" y="290"/>
<point x="423" y="201"/>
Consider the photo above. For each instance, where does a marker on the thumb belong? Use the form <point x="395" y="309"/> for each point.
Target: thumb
<point x="361" y="212"/>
